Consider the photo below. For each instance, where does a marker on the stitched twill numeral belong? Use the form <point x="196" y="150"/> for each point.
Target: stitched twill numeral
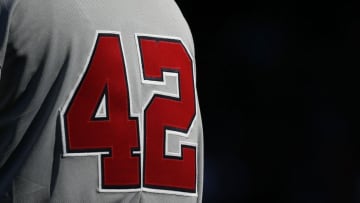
<point x="113" y="132"/>
<point x="97" y="118"/>
<point x="168" y="113"/>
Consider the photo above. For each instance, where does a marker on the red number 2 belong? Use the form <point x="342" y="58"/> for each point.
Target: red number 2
<point x="97" y="120"/>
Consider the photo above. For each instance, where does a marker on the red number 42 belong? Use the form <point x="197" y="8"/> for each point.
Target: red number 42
<point x="97" y="119"/>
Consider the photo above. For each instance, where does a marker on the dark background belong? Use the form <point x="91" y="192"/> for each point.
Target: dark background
<point x="278" y="88"/>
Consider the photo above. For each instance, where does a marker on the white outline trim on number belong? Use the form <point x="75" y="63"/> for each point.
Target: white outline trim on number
<point x="65" y="107"/>
<point x="137" y="115"/>
<point x="168" y="132"/>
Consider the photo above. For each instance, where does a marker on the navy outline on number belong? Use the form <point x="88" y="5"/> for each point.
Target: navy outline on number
<point x="107" y="150"/>
<point x="185" y="131"/>
<point x="100" y="153"/>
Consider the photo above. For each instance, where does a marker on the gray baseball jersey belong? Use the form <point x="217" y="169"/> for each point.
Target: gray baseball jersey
<point x="98" y="102"/>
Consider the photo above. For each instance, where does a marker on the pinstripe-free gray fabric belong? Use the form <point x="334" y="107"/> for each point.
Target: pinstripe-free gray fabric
<point x="44" y="48"/>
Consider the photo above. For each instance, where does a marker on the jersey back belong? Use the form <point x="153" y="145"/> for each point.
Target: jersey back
<point x="98" y="102"/>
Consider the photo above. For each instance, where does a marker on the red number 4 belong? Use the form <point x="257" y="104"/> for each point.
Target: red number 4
<point x="97" y="119"/>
